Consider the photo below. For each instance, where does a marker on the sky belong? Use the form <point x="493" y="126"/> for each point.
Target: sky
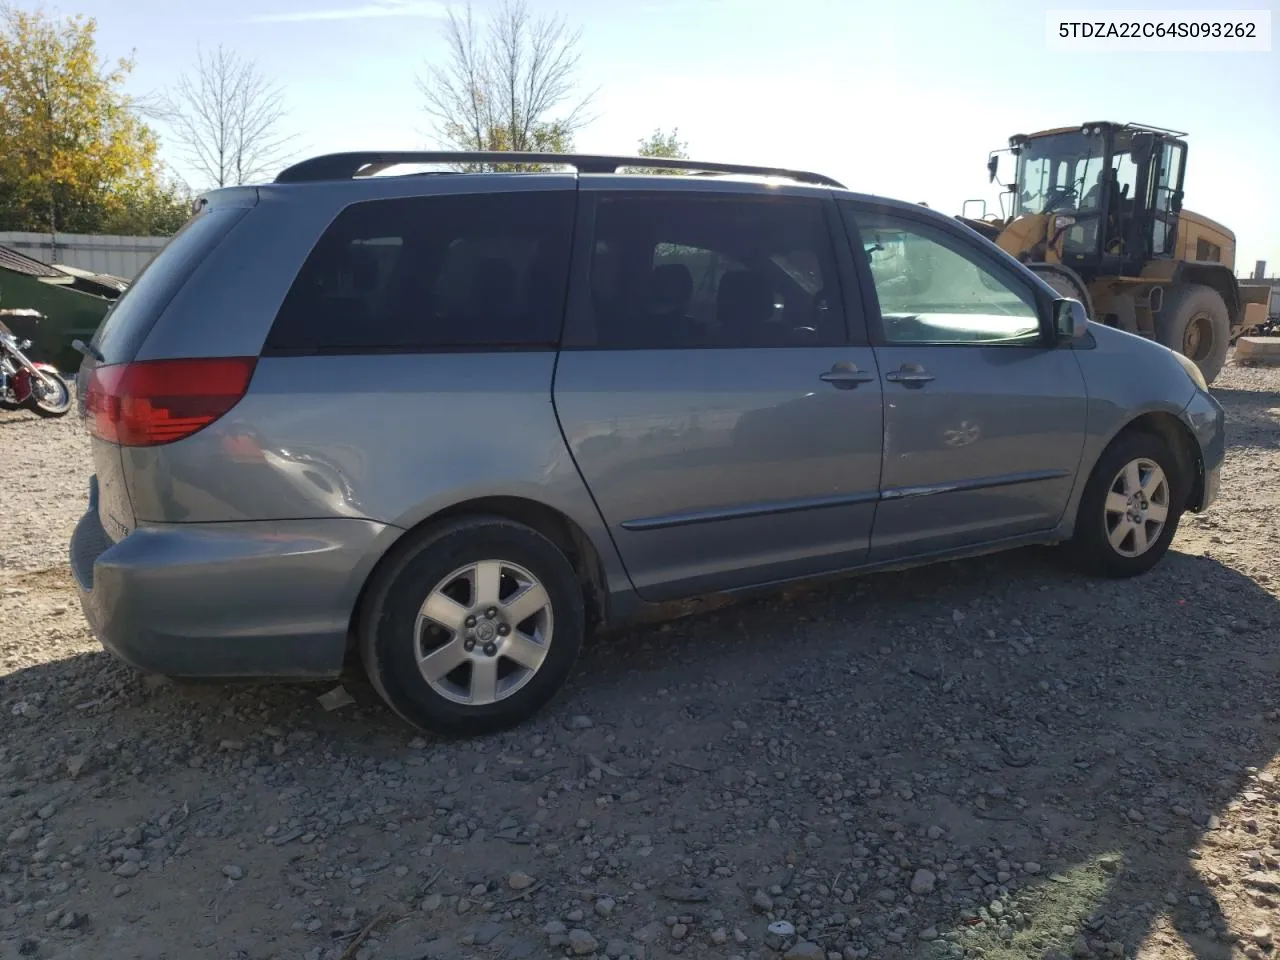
<point x="902" y="98"/>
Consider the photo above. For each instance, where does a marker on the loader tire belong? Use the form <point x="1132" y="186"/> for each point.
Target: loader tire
<point x="1066" y="282"/>
<point x="1194" y="321"/>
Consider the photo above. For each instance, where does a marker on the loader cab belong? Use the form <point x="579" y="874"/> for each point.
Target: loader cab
<point x="1111" y="194"/>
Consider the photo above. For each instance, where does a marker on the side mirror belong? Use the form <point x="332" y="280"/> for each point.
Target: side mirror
<point x="993" y="167"/>
<point x="1070" y="322"/>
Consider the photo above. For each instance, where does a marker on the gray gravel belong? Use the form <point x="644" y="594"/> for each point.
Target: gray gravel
<point x="43" y="488"/>
<point x="995" y="758"/>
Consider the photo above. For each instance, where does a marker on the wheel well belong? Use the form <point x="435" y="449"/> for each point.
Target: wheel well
<point x="1180" y="440"/>
<point x="551" y="523"/>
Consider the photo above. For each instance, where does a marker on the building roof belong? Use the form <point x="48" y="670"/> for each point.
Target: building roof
<point x="16" y="262"/>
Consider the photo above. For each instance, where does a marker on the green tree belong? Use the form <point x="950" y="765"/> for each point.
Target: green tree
<point x="669" y="145"/>
<point x="664" y="145"/>
<point x="76" y="155"/>
<point x="157" y="211"/>
<point x="508" y="84"/>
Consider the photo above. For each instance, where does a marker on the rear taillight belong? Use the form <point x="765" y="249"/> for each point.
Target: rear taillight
<point x="159" y="401"/>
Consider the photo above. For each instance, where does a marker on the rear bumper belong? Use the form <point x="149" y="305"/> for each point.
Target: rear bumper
<point x="1207" y="420"/>
<point x="225" y="600"/>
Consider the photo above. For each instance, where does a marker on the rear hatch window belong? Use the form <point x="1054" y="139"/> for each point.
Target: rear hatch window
<point x="130" y="319"/>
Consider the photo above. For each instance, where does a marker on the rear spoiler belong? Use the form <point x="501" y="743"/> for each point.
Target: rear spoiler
<point x="225" y="197"/>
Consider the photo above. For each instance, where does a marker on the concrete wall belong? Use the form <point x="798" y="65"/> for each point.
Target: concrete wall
<point x="119" y="256"/>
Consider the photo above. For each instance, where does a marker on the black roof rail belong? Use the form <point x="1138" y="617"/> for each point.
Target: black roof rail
<point x="1150" y="128"/>
<point x="346" y="166"/>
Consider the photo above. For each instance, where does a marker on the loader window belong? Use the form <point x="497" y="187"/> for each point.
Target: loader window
<point x="1035" y="177"/>
<point x="1054" y="172"/>
<point x="1126" y="176"/>
<point x="1163" y="200"/>
<point x="1207" y="251"/>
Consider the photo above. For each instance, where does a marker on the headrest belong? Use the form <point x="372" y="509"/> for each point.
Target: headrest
<point x="671" y="285"/>
<point x="744" y="296"/>
<point x="493" y="284"/>
<point x="363" y="267"/>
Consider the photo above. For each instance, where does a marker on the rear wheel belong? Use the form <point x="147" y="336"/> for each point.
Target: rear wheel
<point x="472" y="627"/>
<point x="1130" y="508"/>
<point x="1194" y="321"/>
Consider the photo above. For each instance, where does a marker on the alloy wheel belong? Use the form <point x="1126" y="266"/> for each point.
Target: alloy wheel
<point x="483" y="632"/>
<point x="1137" y="507"/>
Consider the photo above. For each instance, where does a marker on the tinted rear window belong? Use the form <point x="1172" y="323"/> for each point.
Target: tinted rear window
<point x="713" y="271"/>
<point x="130" y="319"/>
<point x="423" y="273"/>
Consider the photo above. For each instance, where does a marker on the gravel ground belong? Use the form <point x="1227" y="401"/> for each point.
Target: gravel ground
<point x="995" y="758"/>
<point x="44" y="476"/>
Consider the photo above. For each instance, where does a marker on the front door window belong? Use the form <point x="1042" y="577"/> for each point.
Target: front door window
<point x="932" y="290"/>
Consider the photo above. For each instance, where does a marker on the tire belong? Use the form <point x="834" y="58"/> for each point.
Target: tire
<point x="1066" y="282"/>
<point x="1092" y="547"/>
<point x="444" y="564"/>
<point x="55" y="404"/>
<point x="1194" y="321"/>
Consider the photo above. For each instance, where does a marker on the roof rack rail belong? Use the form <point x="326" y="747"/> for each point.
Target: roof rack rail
<point x="1150" y="128"/>
<point x="346" y="166"/>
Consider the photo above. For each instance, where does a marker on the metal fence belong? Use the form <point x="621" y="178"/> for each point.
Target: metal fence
<point x="118" y="256"/>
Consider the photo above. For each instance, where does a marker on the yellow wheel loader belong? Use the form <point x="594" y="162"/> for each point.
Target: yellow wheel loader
<point x="1096" y="210"/>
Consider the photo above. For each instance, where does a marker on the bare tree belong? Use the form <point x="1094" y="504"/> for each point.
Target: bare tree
<point x="227" y="119"/>
<point x="509" y="84"/>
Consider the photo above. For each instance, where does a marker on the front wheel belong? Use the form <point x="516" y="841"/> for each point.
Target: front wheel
<point x="473" y="627"/>
<point x="1194" y="321"/>
<point x="1065" y="282"/>
<point x="1130" y="508"/>
<point x="50" y="394"/>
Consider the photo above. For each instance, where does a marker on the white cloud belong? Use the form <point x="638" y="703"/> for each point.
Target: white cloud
<point x="367" y="11"/>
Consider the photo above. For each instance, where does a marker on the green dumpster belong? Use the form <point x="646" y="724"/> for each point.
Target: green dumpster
<point x="70" y="305"/>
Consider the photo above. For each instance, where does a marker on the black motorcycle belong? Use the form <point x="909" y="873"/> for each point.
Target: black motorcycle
<point x="27" y="383"/>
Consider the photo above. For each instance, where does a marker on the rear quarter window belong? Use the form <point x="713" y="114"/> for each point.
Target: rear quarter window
<point x="474" y="271"/>
<point x="129" y="320"/>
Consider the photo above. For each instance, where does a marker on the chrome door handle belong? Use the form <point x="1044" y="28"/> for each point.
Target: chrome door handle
<point x="910" y="374"/>
<point x="846" y="376"/>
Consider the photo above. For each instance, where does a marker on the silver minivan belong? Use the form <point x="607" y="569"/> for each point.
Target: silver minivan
<point x="452" y="421"/>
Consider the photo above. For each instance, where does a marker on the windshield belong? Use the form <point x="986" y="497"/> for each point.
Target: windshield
<point x="1056" y="173"/>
